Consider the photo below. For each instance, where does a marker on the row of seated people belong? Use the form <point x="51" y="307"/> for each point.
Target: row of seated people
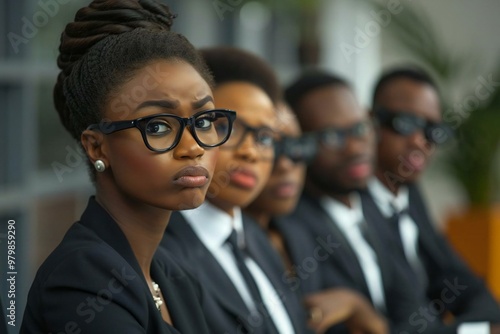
<point x="182" y="237"/>
<point x="358" y="247"/>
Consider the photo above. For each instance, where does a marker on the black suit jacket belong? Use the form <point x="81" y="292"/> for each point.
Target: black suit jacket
<point x="93" y="282"/>
<point x="324" y="259"/>
<point x="466" y="296"/>
<point x="224" y="309"/>
<point x="3" y="321"/>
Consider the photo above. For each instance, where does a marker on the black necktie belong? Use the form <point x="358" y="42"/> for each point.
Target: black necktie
<point x="416" y="270"/>
<point x="394" y="226"/>
<point x="261" y="317"/>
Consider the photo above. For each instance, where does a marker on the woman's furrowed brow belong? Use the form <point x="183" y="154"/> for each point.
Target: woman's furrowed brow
<point x="200" y="103"/>
<point x="167" y="104"/>
<point x="173" y="104"/>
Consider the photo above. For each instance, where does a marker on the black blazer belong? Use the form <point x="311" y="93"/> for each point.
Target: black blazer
<point x="3" y="321"/>
<point x="325" y="259"/>
<point x="469" y="299"/>
<point x="224" y="309"/>
<point x="93" y="282"/>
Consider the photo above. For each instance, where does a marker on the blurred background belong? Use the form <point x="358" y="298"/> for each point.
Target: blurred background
<point x="44" y="185"/>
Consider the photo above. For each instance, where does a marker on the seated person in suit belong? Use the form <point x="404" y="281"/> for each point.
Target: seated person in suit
<point x="279" y="198"/>
<point x="332" y="242"/>
<point x="407" y="107"/>
<point x="223" y="249"/>
<point x="137" y="97"/>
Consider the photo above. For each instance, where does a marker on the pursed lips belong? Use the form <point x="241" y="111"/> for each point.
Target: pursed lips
<point x="192" y="177"/>
<point x="243" y="178"/>
<point x="285" y="189"/>
<point x="358" y="168"/>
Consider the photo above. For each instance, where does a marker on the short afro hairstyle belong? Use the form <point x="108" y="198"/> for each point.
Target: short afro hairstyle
<point x="309" y="81"/>
<point x="410" y="72"/>
<point x="232" y="64"/>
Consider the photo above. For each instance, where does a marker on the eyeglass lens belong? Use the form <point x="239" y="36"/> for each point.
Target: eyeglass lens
<point x="405" y="125"/>
<point x="336" y="138"/>
<point x="163" y="131"/>
<point x="264" y="137"/>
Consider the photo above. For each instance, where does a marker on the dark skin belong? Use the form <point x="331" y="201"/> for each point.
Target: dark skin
<point x="401" y="159"/>
<point x="336" y="172"/>
<point x="420" y="99"/>
<point x="283" y="188"/>
<point x="282" y="191"/>
<point x="256" y="109"/>
<point x="342" y="305"/>
<point x="336" y="305"/>
<point x="138" y="188"/>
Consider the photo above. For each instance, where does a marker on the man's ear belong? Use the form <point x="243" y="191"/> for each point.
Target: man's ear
<point x="92" y="142"/>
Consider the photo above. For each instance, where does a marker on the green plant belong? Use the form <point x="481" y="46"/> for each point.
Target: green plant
<point x="472" y="161"/>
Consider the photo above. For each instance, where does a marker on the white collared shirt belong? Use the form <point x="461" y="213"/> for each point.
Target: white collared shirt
<point x="408" y="230"/>
<point x="213" y="226"/>
<point x="349" y="221"/>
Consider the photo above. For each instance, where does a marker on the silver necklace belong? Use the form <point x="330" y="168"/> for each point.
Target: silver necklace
<point x="157" y="296"/>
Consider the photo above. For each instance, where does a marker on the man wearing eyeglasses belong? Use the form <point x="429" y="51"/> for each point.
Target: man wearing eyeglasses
<point x="408" y="112"/>
<point x="331" y="227"/>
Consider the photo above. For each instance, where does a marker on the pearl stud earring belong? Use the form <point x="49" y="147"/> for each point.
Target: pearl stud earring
<point x="99" y="166"/>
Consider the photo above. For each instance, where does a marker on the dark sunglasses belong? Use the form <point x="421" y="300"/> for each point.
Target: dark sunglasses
<point x="336" y="138"/>
<point x="301" y="149"/>
<point x="406" y="123"/>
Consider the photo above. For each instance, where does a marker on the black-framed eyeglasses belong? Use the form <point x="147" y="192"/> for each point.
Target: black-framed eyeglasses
<point x="162" y="132"/>
<point x="297" y="149"/>
<point x="263" y="136"/>
<point x="406" y="124"/>
<point x="336" y="138"/>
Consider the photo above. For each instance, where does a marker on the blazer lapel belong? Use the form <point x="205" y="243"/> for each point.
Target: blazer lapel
<point x="98" y="220"/>
<point x="321" y="225"/>
<point x="388" y="235"/>
<point x="430" y="252"/>
<point x="180" y="296"/>
<point x="374" y="218"/>
<point x="379" y="225"/>
<point x="383" y="258"/>
<point x="262" y="252"/>
<point x="208" y="271"/>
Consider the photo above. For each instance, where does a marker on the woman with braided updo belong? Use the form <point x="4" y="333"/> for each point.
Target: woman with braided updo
<point x="138" y="99"/>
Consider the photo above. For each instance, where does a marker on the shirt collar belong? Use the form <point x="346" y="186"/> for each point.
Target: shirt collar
<point x="343" y="215"/>
<point x="212" y="225"/>
<point x="386" y="200"/>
